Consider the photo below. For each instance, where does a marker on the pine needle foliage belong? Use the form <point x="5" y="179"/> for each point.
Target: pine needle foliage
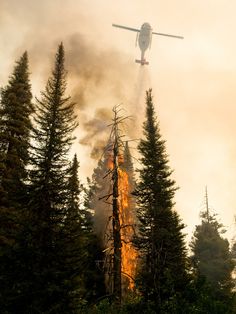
<point x="211" y="257"/>
<point x="15" y="125"/>
<point x="162" y="276"/>
<point x="50" y="286"/>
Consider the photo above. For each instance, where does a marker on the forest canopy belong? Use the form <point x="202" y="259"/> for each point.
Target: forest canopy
<point x="114" y="244"/>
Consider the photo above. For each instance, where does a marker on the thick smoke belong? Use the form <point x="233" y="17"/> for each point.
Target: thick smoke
<point x="193" y="80"/>
<point x="96" y="130"/>
<point x="99" y="77"/>
<point x="97" y="81"/>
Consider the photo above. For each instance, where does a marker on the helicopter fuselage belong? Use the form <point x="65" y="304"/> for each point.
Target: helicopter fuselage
<point x="144" y="41"/>
<point x="144" y="38"/>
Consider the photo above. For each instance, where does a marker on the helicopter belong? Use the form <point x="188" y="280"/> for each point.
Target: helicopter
<point x="144" y="38"/>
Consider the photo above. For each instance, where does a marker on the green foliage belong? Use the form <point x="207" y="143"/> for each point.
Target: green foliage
<point x="49" y="252"/>
<point x="206" y="300"/>
<point x="162" y="275"/>
<point x="129" y="169"/>
<point x="128" y="163"/>
<point x="15" y="126"/>
<point x="213" y="263"/>
<point x="93" y="272"/>
<point x="211" y="255"/>
<point x="53" y="228"/>
<point x="99" y="187"/>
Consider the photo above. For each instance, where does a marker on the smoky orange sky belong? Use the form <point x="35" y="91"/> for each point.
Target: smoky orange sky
<point x="192" y="80"/>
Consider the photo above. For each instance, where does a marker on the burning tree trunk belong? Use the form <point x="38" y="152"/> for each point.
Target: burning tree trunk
<point x="118" y="210"/>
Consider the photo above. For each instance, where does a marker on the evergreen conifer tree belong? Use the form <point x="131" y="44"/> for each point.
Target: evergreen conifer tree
<point x="99" y="216"/>
<point x="128" y="166"/>
<point x="15" y="126"/>
<point x="162" y="276"/>
<point x="100" y="186"/>
<point x="93" y="270"/>
<point x="74" y="239"/>
<point x="212" y="262"/>
<point x="50" y="288"/>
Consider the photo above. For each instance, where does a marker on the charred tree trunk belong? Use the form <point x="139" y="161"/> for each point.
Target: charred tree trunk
<point x="116" y="224"/>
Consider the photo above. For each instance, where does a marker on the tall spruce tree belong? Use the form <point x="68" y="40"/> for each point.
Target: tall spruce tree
<point x="162" y="276"/>
<point x="129" y="168"/>
<point x="97" y="187"/>
<point x="49" y="288"/>
<point x="213" y="263"/>
<point x="100" y="186"/>
<point x="74" y="189"/>
<point x="15" y="125"/>
<point x="93" y="270"/>
<point x="128" y="165"/>
<point x="74" y="238"/>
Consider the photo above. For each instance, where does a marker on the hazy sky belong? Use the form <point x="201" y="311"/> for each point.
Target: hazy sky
<point x="193" y="81"/>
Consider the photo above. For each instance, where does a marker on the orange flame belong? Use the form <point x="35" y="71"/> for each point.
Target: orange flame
<point x="127" y="221"/>
<point x="128" y="252"/>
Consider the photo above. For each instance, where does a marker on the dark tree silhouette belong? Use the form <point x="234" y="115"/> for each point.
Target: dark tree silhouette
<point x="162" y="277"/>
<point x="15" y="125"/>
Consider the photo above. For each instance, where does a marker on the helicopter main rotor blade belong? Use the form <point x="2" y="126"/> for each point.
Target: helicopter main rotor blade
<point x="125" y="27"/>
<point x="180" y="37"/>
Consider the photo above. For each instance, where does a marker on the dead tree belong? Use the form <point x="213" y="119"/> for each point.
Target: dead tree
<point x="115" y="245"/>
<point x="115" y="214"/>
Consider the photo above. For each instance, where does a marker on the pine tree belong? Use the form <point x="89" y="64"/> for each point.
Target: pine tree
<point x="49" y="287"/>
<point x="213" y="262"/>
<point x="74" y="238"/>
<point x="98" y="187"/>
<point x="93" y="271"/>
<point x="15" y="126"/>
<point x="162" y="275"/>
<point x="129" y="169"/>
<point x="128" y="165"/>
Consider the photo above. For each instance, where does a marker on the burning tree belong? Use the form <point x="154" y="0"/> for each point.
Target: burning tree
<point x="116" y="213"/>
<point x="128" y="219"/>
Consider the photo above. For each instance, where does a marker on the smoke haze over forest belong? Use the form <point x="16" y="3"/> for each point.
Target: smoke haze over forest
<point x="192" y="80"/>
